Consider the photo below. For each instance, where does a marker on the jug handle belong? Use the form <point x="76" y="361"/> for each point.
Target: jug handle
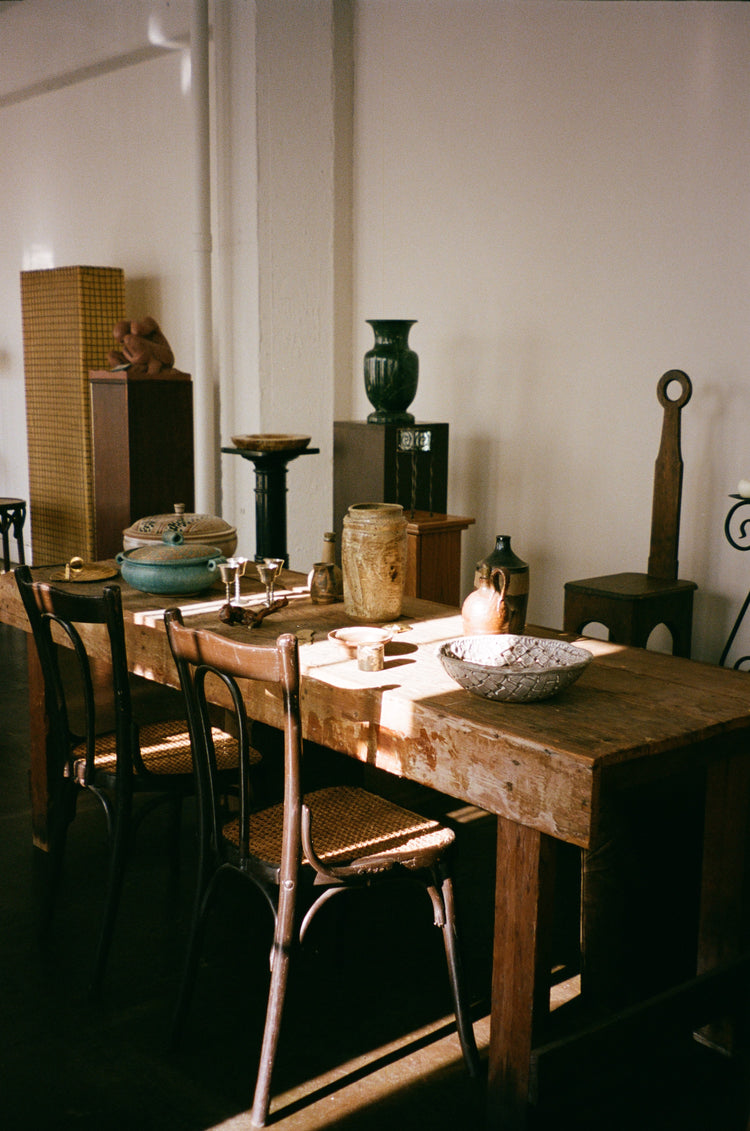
<point x="499" y="571"/>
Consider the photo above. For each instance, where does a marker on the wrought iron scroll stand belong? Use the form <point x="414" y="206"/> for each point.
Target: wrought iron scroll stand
<point x="744" y="536"/>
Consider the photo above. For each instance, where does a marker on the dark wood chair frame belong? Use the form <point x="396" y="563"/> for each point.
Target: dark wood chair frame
<point x="295" y="889"/>
<point x="72" y="757"/>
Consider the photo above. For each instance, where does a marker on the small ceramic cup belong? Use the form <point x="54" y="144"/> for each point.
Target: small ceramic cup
<point x="370" y="656"/>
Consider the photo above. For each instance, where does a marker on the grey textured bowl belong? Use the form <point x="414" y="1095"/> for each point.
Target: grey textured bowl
<point x="514" y="669"/>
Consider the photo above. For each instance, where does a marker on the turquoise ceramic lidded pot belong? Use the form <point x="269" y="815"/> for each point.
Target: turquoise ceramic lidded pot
<point x="391" y="371"/>
<point x="170" y="567"/>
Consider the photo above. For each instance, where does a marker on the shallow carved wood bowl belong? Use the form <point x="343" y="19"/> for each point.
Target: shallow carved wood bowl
<point x="514" y="669"/>
<point x="271" y="442"/>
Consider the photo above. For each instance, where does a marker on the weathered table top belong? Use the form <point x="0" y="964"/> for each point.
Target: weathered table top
<point x="631" y="713"/>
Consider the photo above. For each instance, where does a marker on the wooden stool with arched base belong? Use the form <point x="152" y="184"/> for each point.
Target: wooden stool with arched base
<point x="12" y="517"/>
<point x="631" y="605"/>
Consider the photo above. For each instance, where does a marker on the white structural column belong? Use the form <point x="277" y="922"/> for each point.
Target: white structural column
<point x="204" y="381"/>
<point x="300" y="64"/>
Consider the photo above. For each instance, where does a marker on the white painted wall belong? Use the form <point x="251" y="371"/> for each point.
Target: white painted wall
<point x="556" y="191"/>
<point x="96" y="169"/>
<point x="102" y="173"/>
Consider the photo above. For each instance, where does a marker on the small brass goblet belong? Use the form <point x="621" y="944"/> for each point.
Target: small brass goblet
<point x="228" y="571"/>
<point x="268" y="570"/>
<point x="239" y="564"/>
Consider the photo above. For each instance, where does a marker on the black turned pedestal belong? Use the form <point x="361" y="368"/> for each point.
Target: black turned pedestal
<point x="270" y="499"/>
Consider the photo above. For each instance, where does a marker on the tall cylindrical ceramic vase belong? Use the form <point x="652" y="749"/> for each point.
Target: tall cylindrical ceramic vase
<point x="373" y="560"/>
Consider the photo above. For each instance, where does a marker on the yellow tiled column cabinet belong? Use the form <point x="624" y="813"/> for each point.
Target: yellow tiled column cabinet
<point x="69" y="314"/>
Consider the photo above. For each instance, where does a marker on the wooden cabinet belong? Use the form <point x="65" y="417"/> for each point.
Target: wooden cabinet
<point x="142" y="438"/>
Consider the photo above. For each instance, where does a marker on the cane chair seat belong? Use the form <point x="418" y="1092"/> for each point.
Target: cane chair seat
<point x="164" y="749"/>
<point x="351" y="829"/>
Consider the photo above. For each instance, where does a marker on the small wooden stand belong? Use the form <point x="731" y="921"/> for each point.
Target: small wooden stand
<point x="433" y="556"/>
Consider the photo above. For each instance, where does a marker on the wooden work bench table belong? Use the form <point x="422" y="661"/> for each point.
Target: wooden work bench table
<point x="544" y="769"/>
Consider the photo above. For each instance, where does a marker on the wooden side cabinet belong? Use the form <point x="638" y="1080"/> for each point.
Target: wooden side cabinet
<point x="142" y="439"/>
<point x="433" y="556"/>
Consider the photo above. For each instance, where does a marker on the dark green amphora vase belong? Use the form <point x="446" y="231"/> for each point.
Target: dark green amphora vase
<point x="391" y="371"/>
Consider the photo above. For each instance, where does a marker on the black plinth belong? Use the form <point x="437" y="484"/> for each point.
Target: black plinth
<point x="270" y="499"/>
<point x="389" y="463"/>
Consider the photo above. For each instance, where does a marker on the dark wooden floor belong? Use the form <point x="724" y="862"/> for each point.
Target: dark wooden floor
<point x="370" y="996"/>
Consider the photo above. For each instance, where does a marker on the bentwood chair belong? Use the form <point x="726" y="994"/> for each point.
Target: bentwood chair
<point x="95" y="742"/>
<point x="304" y="850"/>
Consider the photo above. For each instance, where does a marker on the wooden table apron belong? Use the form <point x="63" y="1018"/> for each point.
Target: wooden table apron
<point x="541" y="768"/>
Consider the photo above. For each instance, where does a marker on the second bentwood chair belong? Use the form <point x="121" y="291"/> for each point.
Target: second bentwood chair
<point x="304" y="850"/>
<point x="84" y="749"/>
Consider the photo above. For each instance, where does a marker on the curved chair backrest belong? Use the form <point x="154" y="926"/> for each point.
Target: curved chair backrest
<point x="59" y="616"/>
<point x="202" y="657"/>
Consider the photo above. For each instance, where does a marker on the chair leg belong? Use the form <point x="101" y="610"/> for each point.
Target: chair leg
<point x="463" y="1020"/>
<point x="119" y="849"/>
<point x="173" y="832"/>
<point x="205" y="888"/>
<point x="61" y="817"/>
<point x="280" y="957"/>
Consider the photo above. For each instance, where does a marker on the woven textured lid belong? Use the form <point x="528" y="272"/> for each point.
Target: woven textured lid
<point x="173" y="549"/>
<point x="192" y="527"/>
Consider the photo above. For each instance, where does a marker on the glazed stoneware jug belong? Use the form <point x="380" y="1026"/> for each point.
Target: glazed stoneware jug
<point x="517" y="587"/>
<point x="485" y="611"/>
<point x="323" y="590"/>
<point x="325" y="579"/>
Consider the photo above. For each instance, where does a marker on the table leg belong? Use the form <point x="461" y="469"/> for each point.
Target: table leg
<point x="724" y="931"/>
<point x="524" y="882"/>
